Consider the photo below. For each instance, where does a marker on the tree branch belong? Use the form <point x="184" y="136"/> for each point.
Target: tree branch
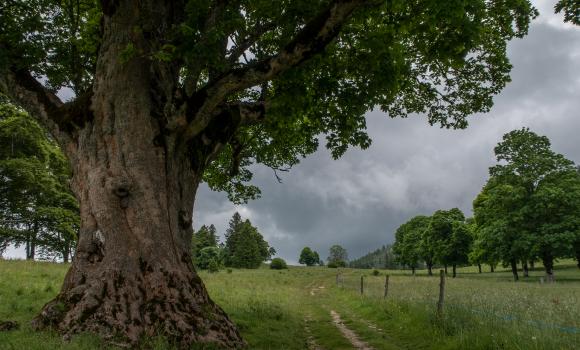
<point x="58" y="117"/>
<point x="311" y="40"/>
<point x="242" y="46"/>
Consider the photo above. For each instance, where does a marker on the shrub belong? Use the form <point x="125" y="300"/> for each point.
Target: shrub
<point x="213" y="266"/>
<point x="229" y="270"/>
<point x="278" y="264"/>
<point x="336" y="263"/>
<point x="376" y="272"/>
<point x="209" y="257"/>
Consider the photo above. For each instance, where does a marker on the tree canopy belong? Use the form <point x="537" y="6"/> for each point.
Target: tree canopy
<point x="337" y="255"/>
<point x="309" y="257"/>
<point x="284" y="73"/>
<point x="408" y="237"/>
<point x="529" y="207"/>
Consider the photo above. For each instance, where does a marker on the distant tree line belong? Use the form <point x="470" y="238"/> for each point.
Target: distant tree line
<point x="383" y="257"/>
<point x="528" y="211"/>
<point x="244" y="246"/>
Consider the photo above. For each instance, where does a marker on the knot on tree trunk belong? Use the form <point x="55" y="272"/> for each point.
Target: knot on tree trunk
<point x="121" y="187"/>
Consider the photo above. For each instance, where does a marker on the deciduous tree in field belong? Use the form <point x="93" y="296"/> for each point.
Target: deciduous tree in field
<point x="337" y="255"/>
<point x="459" y="245"/>
<point x="448" y="237"/>
<point x="308" y="257"/>
<point x="480" y="252"/>
<point x="529" y="207"/>
<point x="170" y="93"/>
<point x="407" y="245"/>
<point x="555" y="210"/>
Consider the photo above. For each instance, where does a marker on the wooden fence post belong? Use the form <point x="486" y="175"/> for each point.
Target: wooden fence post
<point x="361" y="285"/>
<point x="441" y="293"/>
<point x="386" y="286"/>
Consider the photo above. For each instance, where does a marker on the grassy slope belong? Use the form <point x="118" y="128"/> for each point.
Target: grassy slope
<point x="272" y="308"/>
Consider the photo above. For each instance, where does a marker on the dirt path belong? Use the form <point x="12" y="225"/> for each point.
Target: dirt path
<point x="348" y="334"/>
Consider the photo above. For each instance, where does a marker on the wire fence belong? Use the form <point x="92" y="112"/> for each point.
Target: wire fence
<point x="545" y="307"/>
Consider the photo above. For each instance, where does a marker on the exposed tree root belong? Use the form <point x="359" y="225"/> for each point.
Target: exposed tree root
<point x="127" y="309"/>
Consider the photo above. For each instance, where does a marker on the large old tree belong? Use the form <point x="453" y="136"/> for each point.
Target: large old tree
<point x="160" y="95"/>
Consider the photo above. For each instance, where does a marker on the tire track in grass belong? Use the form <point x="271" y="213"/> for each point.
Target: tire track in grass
<point x="388" y="339"/>
<point x="348" y="333"/>
<point x="321" y="334"/>
<point x="310" y="341"/>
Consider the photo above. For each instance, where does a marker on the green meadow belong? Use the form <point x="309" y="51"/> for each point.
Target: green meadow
<point x="291" y="309"/>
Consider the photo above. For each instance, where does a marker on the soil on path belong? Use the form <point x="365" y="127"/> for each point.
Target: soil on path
<point x="348" y="333"/>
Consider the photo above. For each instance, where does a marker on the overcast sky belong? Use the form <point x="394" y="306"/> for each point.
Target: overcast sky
<point x="412" y="168"/>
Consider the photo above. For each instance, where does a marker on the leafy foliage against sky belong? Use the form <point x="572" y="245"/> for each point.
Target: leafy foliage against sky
<point x="445" y="59"/>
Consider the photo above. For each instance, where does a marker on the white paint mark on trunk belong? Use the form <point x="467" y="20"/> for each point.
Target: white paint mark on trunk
<point x="100" y="236"/>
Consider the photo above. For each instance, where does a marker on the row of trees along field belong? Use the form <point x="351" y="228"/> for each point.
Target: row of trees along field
<point x="337" y="257"/>
<point x="528" y="211"/>
<point x="244" y="246"/>
<point x="37" y="208"/>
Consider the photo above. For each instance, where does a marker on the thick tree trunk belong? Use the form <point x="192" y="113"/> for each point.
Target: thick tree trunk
<point x="413" y="269"/>
<point x="479" y="268"/>
<point x="132" y="275"/>
<point x="454" y="270"/>
<point x="532" y="263"/>
<point x="492" y="268"/>
<point x="548" y="261"/>
<point x="445" y="270"/>
<point x="514" y="266"/>
<point x="430" y="269"/>
<point x="525" y="268"/>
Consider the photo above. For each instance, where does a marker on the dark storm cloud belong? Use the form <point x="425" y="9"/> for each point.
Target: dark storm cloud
<point x="412" y="168"/>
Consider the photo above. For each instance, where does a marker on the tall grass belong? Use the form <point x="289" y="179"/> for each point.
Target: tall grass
<point x="483" y="310"/>
<point x="283" y="309"/>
